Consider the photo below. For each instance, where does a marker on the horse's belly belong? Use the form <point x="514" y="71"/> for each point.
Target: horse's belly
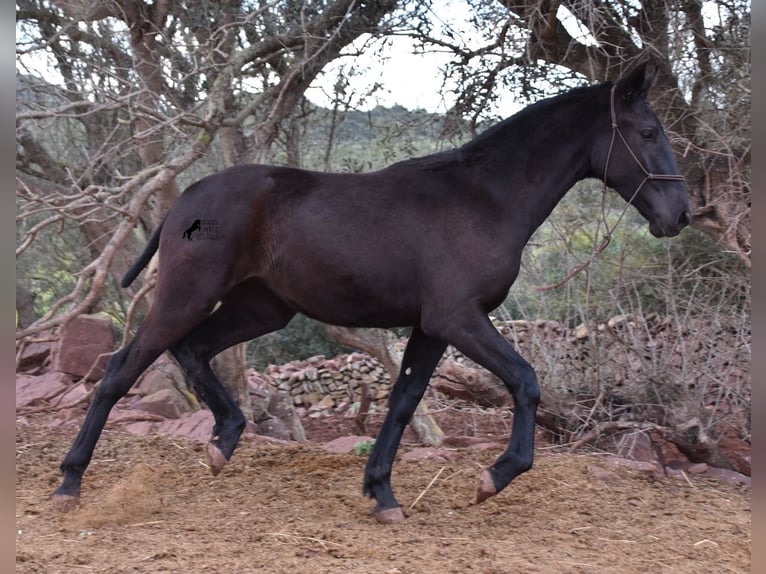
<point x="353" y="300"/>
<point x="353" y="311"/>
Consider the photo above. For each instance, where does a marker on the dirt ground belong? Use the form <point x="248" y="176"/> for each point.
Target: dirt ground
<point x="150" y="505"/>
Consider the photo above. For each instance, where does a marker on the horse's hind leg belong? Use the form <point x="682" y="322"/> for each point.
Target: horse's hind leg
<point x="248" y="311"/>
<point x="474" y="335"/>
<point x="163" y="326"/>
<point x="420" y="360"/>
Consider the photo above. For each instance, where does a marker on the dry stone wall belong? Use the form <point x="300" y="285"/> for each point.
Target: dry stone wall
<point x="329" y="383"/>
<point x="624" y="351"/>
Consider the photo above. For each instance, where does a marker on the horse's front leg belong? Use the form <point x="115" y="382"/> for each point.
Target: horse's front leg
<point x="473" y="334"/>
<point x="420" y="360"/>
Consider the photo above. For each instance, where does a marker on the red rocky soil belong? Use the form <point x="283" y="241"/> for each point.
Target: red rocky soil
<point x="149" y="505"/>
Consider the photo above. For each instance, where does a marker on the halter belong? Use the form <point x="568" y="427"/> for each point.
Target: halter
<point x="648" y="175"/>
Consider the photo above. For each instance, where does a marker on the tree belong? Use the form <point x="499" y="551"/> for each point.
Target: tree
<point x="143" y="94"/>
<point x="702" y="50"/>
<point x="144" y="90"/>
<point x="122" y="104"/>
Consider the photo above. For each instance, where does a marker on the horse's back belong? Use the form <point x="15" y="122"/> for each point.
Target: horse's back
<point x="357" y="249"/>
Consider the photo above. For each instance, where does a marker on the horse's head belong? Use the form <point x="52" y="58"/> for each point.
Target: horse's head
<point x="635" y="158"/>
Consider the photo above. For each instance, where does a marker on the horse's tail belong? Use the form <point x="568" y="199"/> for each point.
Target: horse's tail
<point x="144" y="258"/>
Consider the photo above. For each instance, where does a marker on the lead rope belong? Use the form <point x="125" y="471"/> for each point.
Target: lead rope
<point x="607" y="237"/>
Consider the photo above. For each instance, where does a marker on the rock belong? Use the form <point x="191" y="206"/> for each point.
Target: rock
<point x="140" y="428"/>
<point x="154" y="380"/>
<point x="428" y="453"/>
<point x="636" y="445"/>
<point x="74" y="395"/>
<point x="345" y="444"/>
<point x="676" y="471"/>
<point x="274" y="428"/>
<point x="460" y="441"/>
<point x="670" y="453"/>
<point x="259" y="406"/>
<point x="619" y="320"/>
<point x="736" y="451"/>
<point x="728" y="476"/>
<point x="488" y="446"/>
<point x="32" y="389"/>
<point x="742" y="462"/>
<point x="327" y="402"/>
<point x="34" y="356"/>
<point x="66" y="417"/>
<point x="642" y="467"/>
<point x="581" y="331"/>
<point x="196" y="426"/>
<point x="698" y="468"/>
<point x="603" y="474"/>
<point x="122" y="415"/>
<point x="167" y="403"/>
<point x="281" y="407"/>
<point x="81" y="342"/>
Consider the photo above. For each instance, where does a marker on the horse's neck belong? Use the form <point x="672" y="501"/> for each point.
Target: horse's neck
<point x="532" y="163"/>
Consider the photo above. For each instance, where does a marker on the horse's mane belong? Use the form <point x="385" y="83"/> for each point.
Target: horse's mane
<point x="531" y="114"/>
<point x="533" y="111"/>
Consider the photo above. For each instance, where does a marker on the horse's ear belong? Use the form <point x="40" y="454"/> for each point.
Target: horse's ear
<point x="637" y="83"/>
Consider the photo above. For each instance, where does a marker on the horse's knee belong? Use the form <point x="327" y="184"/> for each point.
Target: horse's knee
<point x="402" y="405"/>
<point x="532" y="393"/>
<point x="526" y="391"/>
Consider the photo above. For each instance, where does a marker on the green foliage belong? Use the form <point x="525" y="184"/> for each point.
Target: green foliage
<point x="301" y="339"/>
<point x="364" y="448"/>
<point x="636" y="270"/>
<point x="48" y="265"/>
<point x="365" y="141"/>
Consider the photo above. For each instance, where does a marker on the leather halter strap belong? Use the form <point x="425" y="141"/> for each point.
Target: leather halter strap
<point x="648" y="175"/>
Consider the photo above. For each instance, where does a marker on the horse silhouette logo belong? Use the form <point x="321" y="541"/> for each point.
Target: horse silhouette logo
<point x="197" y="225"/>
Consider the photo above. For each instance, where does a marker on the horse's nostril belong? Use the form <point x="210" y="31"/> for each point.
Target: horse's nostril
<point x="684" y="219"/>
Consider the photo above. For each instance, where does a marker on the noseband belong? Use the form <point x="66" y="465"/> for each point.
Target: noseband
<point x="648" y="175"/>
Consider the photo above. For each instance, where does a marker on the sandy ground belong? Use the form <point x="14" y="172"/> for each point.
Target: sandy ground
<point x="150" y="505"/>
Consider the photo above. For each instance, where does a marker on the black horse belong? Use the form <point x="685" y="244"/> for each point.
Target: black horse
<point x="433" y="243"/>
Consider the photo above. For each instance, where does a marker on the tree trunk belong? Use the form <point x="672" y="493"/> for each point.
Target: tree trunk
<point x="471" y="384"/>
<point x="25" y="307"/>
<point x="229" y="365"/>
<point x="717" y="180"/>
<point x="379" y="344"/>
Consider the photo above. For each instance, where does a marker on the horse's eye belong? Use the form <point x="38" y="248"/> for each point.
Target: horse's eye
<point x="649" y="133"/>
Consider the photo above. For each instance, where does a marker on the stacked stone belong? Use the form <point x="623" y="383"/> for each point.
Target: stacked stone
<point x="627" y="345"/>
<point x="326" y="383"/>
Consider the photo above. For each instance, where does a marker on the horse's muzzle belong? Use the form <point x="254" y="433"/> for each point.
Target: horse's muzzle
<point x="673" y="228"/>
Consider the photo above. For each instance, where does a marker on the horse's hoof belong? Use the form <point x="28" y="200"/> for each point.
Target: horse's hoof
<point x="486" y="487"/>
<point x="65" y="502"/>
<point x="389" y="515"/>
<point x="215" y="458"/>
